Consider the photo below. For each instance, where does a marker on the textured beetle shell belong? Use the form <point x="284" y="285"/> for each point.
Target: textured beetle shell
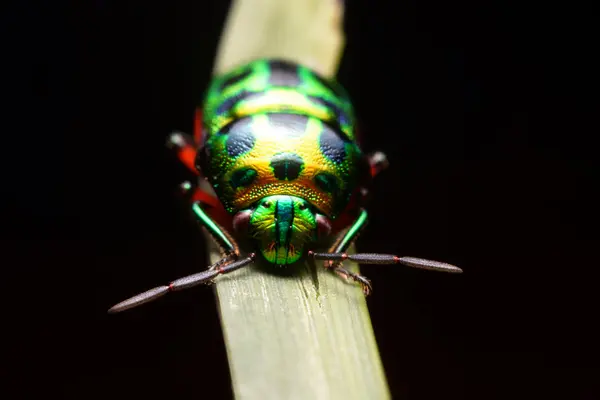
<point x="274" y="127"/>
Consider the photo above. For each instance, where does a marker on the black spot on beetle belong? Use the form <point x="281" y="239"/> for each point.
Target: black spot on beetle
<point x="243" y="177"/>
<point x="229" y="103"/>
<point x="341" y="118"/>
<point x="326" y="182"/>
<point x="332" y="145"/>
<point x="240" y="138"/>
<point x="283" y="73"/>
<point x="235" y="78"/>
<point x="287" y="166"/>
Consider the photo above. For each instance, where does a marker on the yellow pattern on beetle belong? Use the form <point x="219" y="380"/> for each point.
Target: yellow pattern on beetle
<point x="277" y="128"/>
<point x="268" y="143"/>
<point x="251" y="92"/>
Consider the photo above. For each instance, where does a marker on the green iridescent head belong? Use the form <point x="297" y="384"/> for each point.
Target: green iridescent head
<point x="282" y="226"/>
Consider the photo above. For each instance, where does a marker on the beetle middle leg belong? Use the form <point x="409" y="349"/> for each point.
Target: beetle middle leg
<point x="185" y="147"/>
<point x="377" y="162"/>
<point x="181" y="284"/>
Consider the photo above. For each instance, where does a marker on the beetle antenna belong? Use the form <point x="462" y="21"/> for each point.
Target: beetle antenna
<point x="182" y="283"/>
<point x="374" y="258"/>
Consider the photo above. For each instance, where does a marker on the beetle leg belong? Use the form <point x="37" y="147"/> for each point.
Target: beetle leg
<point x="227" y="264"/>
<point x="351" y="234"/>
<point x="365" y="284"/>
<point x="222" y="238"/>
<point x="198" y="194"/>
<point x="343" y="243"/>
<point x="182" y="283"/>
<point x="377" y="258"/>
<point x="378" y="162"/>
<point x="337" y="255"/>
<point x="185" y="147"/>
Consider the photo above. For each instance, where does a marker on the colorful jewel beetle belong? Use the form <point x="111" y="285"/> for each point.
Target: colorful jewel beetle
<point x="277" y="143"/>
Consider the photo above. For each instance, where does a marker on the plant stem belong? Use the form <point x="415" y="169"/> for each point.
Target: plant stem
<point x="306" y="336"/>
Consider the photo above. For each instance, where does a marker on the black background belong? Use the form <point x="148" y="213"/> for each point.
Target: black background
<point x="487" y="111"/>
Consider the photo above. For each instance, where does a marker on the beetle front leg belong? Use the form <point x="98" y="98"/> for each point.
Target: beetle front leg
<point x="182" y="283"/>
<point x="337" y="255"/>
<point x="341" y="245"/>
<point x="218" y="234"/>
<point x="228" y="263"/>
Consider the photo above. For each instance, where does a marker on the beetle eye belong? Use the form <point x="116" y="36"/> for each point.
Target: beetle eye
<point x="266" y="204"/>
<point x="302" y="206"/>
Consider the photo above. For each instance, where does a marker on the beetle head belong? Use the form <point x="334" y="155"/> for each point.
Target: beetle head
<point x="282" y="226"/>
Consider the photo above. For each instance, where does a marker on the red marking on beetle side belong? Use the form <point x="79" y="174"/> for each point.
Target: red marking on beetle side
<point x="374" y="171"/>
<point x="187" y="155"/>
<point x="198" y="126"/>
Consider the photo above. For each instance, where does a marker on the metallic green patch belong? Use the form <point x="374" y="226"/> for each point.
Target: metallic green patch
<point x="282" y="225"/>
<point x="288" y="96"/>
<point x="228" y="90"/>
<point x="243" y="177"/>
<point x="326" y="182"/>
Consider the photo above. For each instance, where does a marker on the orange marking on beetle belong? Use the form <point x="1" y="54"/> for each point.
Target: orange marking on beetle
<point x="187" y="155"/>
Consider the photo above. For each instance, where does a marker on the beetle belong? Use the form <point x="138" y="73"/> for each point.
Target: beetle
<point x="278" y="144"/>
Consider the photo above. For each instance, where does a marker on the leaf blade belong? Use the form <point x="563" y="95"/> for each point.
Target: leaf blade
<point x="307" y="336"/>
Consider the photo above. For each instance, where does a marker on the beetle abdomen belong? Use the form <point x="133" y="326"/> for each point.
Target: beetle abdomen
<point x="276" y="86"/>
<point x="277" y="128"/>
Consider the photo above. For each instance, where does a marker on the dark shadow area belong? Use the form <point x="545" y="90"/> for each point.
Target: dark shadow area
<point x="487" y="111"/>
